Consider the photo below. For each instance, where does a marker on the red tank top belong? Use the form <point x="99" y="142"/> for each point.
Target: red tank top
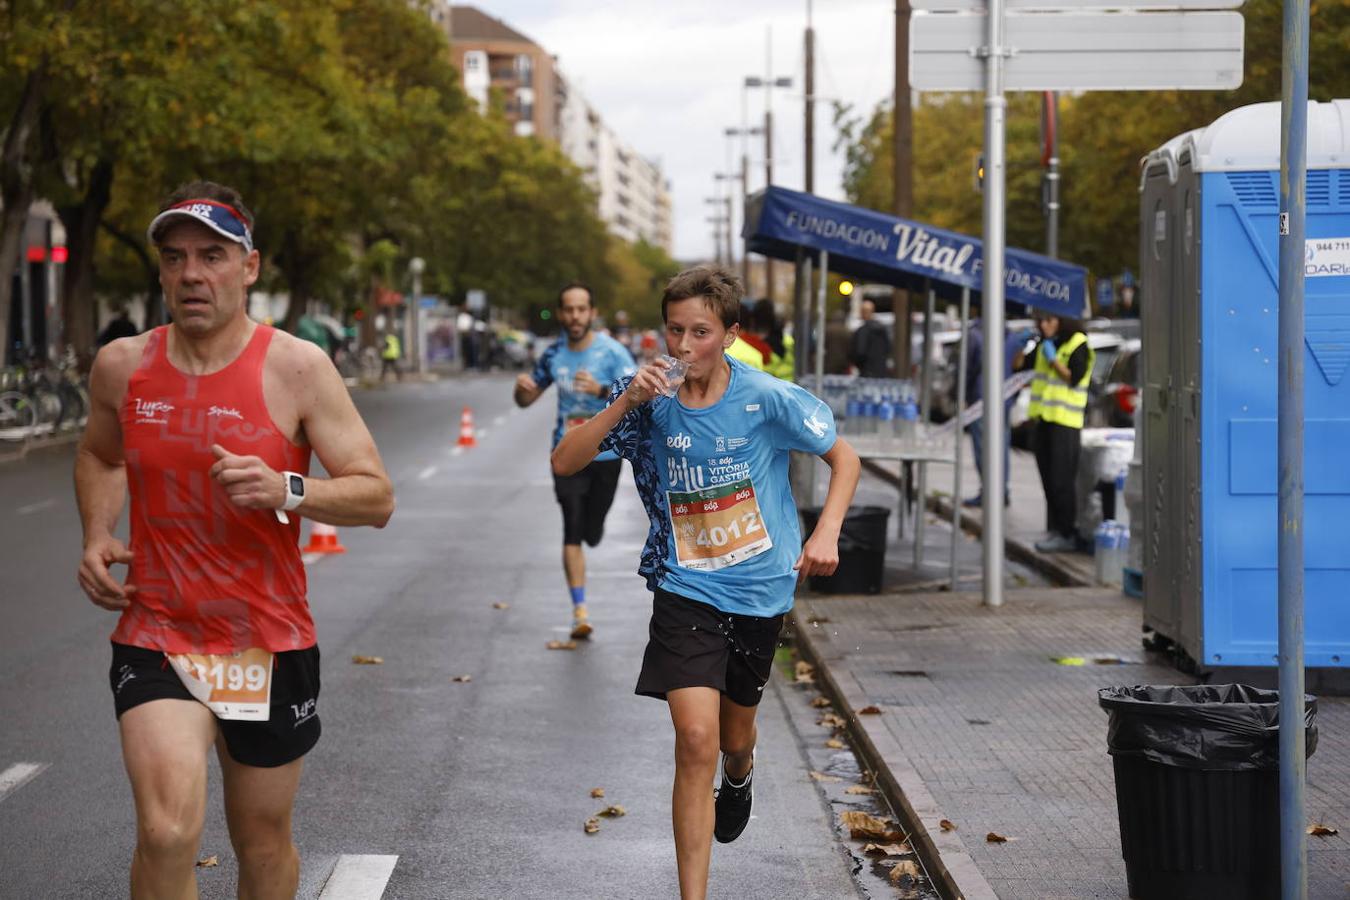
<point x="211" y="577"/>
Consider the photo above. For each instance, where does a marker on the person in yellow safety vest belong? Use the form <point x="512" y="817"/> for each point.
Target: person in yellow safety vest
<point x="393" y="349"/>
<point x="1062" y="362"/>
<point x="764" y="321"/>
<point x="747" y="354"/>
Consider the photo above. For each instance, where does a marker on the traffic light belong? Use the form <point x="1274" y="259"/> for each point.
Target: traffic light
<point x="845" y="288"/>
<point x="979" y="173"/>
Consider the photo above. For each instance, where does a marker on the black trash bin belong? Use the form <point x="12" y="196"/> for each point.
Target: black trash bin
<point x="1197" y="788"/>
<point x="862" y="550"/>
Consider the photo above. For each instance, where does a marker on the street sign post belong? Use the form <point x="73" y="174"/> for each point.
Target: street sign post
<point x="1106" y="294"/>
<point x="1073" y="50"/>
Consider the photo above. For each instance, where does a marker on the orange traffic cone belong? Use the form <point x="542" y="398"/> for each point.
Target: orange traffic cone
<point x="466" y="438"/>
<point x="324" y="539"/>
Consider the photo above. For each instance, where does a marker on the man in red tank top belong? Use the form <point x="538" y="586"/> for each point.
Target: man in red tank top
<point x="208" y="425"/>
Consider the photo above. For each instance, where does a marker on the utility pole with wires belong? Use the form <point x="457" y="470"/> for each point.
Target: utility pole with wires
<point x="902" y="172"/>
<point x="744" y="133"/>
<point x="768" y="82"/>
<point x="809" y="156"/>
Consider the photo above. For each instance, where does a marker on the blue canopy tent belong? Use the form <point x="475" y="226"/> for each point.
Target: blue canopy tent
<point x="877" y="247"/>
<point x="890" y="250"/>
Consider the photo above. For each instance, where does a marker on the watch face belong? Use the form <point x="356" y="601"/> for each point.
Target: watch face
<point x="297" y="486"/>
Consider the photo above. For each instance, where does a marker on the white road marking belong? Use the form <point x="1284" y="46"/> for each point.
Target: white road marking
<point x="36" y="507"/>
<point x="310" y="559"/>
<point x="456" y="450"/>
<point x="498" y="421"/>
<point x="481" y="433"/>
<point x="359" y="878"/>
<point x="426" y="473"/>
<point x="18" y="775"/>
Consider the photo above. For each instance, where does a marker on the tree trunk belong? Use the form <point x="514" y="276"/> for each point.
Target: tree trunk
<point x="77" y="293"/>
<point x="295" y="267"/>
<point x="16" y="191"/>
<point x="154" y="293"/>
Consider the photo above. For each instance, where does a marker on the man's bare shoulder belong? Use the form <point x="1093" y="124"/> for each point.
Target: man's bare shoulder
<point x="291" y="357"/>
<point x="117" y="360"/>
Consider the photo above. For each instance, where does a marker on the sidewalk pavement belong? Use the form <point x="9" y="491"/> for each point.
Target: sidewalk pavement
<point x="980" y="727"/>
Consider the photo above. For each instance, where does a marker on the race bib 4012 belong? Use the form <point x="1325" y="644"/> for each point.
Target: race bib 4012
<point x="718" y="527"/>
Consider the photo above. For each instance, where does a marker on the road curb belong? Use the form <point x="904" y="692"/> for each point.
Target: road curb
<point x="1022" y="552"/>
<point x="944" y="853"/>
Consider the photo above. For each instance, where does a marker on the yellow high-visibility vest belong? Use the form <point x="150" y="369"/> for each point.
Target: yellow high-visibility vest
<point x="780" y="366"/>
<point x="741" y="350"/>
<point x="1053" y="400"/>
<point x="393" y="347"/>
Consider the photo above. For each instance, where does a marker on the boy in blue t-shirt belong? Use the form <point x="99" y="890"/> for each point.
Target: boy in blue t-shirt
<point x="724" y="554"/>
<point x="584" y="364"/>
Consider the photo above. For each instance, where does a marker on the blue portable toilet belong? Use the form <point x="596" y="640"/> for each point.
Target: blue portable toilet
<point x="1209" y="284"/>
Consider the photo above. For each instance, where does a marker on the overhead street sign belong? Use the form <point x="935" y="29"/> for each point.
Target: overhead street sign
<point x="1071" y="5"/>
<point x="1081" y="51"/>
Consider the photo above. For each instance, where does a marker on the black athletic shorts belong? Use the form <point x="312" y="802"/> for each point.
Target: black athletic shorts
<point x="292" y="728"/>
<point x="585" y="499"/>
<point x="693" y="644"/>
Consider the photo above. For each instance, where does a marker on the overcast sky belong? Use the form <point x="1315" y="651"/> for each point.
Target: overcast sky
<point x="666" y="77"/>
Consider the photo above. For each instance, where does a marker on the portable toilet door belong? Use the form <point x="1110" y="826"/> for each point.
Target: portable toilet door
<point x="1232" y="597"/>
<point x="1160" y="300"/>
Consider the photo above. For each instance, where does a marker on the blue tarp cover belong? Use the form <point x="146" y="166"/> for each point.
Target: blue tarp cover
<point x="883" y="248"/>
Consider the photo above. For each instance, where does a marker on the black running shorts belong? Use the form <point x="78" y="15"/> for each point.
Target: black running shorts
<point x="292" y="728"/>
<point x="585" y="498"/>
<point x="693" y="644"/>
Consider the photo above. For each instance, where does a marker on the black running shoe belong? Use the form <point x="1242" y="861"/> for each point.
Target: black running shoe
<point x="732" y="805"/>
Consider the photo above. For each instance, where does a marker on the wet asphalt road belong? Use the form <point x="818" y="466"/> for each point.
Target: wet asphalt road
<point x="480" y="789"/>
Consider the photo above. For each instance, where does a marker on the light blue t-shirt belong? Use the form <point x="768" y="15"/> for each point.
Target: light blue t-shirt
<point x="714" y="481"/>
<point x="605" y="359"/>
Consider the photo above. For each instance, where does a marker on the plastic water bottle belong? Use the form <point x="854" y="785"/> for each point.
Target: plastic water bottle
<point x="1106" y="552"/>
<point x="1123" y="549"/>
<point x="853" y="418"/>
<point x="886" y="418"/>
<point x="909" y="414"/>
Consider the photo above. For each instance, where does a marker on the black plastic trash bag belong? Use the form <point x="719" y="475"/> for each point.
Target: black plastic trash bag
<point x="1215" y="727"/>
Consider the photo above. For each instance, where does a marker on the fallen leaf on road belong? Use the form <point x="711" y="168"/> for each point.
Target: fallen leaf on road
<point x="209" y="862"/>
<point x="1319" y="830"/>
<point x="462" y="679"/>
<point x="806" y="673"/>
<point x="821" y="776"/>
<point x="864" y="827"/>
<point x="870" y="711"/>
<point x="947" y="825"/>
<point x="836" y="744"/>
<point x="592" y="825"/>
<point x="817" y="620"/>
<point x="859" y="789"/>
<point x="612" y="812"/>
<point x="562" y="645"/>
<point x="500" y="605"/>
<point x="905" y="868"/>
<point x="368" y="660"/>
<point x="821" y="702"/>
<point x="887" y="849"/>
<point x="597" y="793"/>
<point x="994" y="837"/>
<point x="832" y="720"/>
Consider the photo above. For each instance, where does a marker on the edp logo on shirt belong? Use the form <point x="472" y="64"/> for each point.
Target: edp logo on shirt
<point x="680" y="441"/>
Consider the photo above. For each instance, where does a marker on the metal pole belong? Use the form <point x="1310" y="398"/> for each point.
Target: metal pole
<point x="1293" y="172"/>
<point x="1051" y="100"/>
<point x="902" y="176"/>
<point x="768" y="144"/>
<point x="801" y="316"/>
<point x="745" y="187"/>
<point x="819" y="336"/>
<point x="960" y="406"/>
<point x="925" y="407"/>
<point x="810" y="112"/>
<point x="995" y="106"/>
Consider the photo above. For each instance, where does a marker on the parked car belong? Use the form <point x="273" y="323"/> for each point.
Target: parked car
<point x="1113" y="404"/>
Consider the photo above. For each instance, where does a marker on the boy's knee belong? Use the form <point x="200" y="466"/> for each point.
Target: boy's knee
<point x="696" y="745"/>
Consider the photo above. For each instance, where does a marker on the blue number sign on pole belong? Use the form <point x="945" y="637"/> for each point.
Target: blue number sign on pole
<point x="1106" y="294"/>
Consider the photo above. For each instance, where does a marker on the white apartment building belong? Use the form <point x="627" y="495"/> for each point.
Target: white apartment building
<point x="633" y="193"/>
